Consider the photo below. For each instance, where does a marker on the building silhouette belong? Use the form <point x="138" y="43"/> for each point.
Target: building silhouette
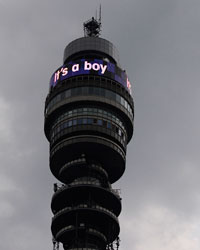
<point x="88" y="122"/>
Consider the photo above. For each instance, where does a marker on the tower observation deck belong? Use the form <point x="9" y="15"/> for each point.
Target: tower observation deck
<point x="88" y="122"/>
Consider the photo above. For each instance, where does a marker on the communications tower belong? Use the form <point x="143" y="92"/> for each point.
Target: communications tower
<point x="88" y="122"/>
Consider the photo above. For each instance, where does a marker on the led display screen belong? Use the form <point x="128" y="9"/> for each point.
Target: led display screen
<point x="90" y="67"/>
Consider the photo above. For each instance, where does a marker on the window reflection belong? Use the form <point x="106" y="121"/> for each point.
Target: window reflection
<point x="115" y="130"/>
<point x="88" y="111"/>
<point x="90" y="91"/>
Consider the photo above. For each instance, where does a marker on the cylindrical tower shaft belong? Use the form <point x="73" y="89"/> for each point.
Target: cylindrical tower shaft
<point x="88" y="122"/>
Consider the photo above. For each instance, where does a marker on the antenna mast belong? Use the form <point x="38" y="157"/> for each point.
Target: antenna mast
<point x="100" y="14"/>
<point x="92" y="27"/>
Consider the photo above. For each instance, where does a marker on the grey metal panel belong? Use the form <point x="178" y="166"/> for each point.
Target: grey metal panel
<point x="91" y="43"/>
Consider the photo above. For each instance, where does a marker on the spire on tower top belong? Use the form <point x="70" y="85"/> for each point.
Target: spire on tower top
<point x="92" y="27"/>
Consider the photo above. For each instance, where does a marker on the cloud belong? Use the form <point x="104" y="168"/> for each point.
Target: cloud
<point x="6" y="210"/>
<point x="156" y="227"/>
<point x="6" y="121"/>
<point x="8" y="189"/>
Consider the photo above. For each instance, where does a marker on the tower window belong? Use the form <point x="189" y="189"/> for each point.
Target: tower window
<point x="100" y="122"/>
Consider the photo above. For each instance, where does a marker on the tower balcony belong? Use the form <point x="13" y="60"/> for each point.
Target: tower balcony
<point x="96" y="217"/>
<point x="109" y="155"/>
<point x="86" y="192"/>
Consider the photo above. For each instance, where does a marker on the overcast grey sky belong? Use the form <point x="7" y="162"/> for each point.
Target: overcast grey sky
<point x="159" y="45"/>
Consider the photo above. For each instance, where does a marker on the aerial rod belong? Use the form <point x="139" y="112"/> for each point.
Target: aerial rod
<point x="100" y="14"/>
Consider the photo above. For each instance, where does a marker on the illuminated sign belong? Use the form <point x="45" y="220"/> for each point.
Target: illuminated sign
<point x="90" y="67"/>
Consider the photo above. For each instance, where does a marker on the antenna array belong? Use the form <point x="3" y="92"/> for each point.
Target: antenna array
<point x="92" y="27"/>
